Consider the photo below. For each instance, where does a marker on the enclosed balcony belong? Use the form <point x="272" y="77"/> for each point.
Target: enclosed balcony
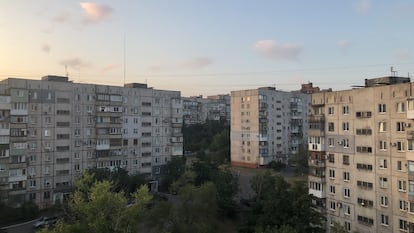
<point x="410" y="108"/>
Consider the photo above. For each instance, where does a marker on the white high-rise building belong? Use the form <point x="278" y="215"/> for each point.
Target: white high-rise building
<point x="53" y="129"/>
<point x="267" y="125"/>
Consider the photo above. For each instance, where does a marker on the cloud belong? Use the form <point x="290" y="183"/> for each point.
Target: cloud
<point x="362" y="6"/>
<point x="193" y="64"/>
<point x="46" y="48"/>
<point x="197" y="63"/>
<point x="402" y="54"/>
<point x="110" y="67"/>
<point x="74" y="63"/>
<point x="344" y="45"/>
<point x="62" y="17"/>
<point x="95" y="13"/>
<point x="272" y="50"/>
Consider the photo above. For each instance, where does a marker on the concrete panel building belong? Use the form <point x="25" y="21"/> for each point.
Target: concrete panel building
<point x="267" y="125"/>
<point x="53" y="129"/>
<point x="197" y="110"/>
<point x="361" y="155"/>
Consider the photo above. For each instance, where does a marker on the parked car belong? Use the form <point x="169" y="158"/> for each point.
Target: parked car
<point x="45" y="222"/>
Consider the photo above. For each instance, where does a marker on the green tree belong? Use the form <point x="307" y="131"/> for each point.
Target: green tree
<point x="173" y="170"/>
<point x="96" y="208"/>
<point x="300" y="159"/>
<point x="278" y="204"/>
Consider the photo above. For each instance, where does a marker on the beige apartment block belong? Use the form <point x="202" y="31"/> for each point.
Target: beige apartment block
<point x="361" y="156"/>
<point x="53" y="129"/>
<point x="267" y="125"/>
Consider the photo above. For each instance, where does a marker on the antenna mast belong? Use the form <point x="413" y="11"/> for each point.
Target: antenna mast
<point x="124" y="58"/>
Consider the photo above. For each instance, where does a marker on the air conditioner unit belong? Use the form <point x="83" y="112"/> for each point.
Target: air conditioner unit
<point x="408" y="125"/>
<point x="393" y="144"/>
<point x="339" y="205"/>
<point x="340" y="142"/>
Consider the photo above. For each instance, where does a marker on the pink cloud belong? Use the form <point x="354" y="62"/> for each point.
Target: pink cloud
<point x="75" y="63"/>
<point x="272" y="50"/>
<point x="110" y="67"/>
<point x="95" y="13"/>
<point x="402" y="54"/>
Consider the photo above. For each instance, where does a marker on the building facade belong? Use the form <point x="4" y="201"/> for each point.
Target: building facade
<point x="267" y="125"/>
<point x="197" y="110"/>
<point x="361" y="156"/>
<point x="53" y="129"/>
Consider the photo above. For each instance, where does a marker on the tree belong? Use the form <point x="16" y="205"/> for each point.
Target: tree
<point x="97" y="208"/>
<point x="173" y="170"/>
<point x="277" y="204"/>
<point x="300" y="159"/>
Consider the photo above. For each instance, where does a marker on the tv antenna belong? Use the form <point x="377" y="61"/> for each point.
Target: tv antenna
<point x="393" y="72"/>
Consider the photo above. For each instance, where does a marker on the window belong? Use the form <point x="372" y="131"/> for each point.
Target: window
<point x="403" y="225"/>
<point x="332" y="189"/>
<point x="383" y="145"/>
<point x="347" y="226"/>
<point x="46" y="195"/>
<point x="403" y="205"/>
<point x="383" y="182"/>
<point x="331" y="174"/>
<point x="331" y="158"/>
<point x="400" y="126"/>
<point x="365" y="220"/>
<point x="384" y="219"/>
<point x="400" y="146"/>
<point x="382" y="108"/>
<point x="384" y="201"/>
<point x="331" y="110"/>
<point x="410" y="166"/>
<point x="345" y="109"/>
<point x="411" y="187"/>
<point x="400" y="107"/>
<point x="346" y="176"/>
<point x="399" y="166"/>
<point x="331" y="126"/>
<point x="347" y="192"/>
<point x="382" y="163"/>
<point x="347" y="209"/>
<point x="410" y="144"/>
<point x="364" y="149"/>
<point x="402" y="185"/>
<point x="345" y="143"/>
<point x="365" y="203"/>
<point x="332" y="205"/>
<point x="331" y="142"/>
<point x="345" y="159"/>
<point x="345" y="126"/>
<point x="382" y="127"/>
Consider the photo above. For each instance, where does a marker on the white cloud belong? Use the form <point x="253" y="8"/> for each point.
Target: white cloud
<point x="95" y="13"/>
<point x="272" y="50"/>
<point x="46" y="48"/>
<point x="193" y="64"/>
<point x="362" y="6"/>
<point x="74" y="63"/>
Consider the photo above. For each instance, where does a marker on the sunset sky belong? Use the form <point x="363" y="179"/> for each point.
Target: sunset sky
<point x="208" y="47"/>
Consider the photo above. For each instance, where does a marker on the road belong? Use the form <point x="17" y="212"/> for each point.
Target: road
<point x="26" y="227"/>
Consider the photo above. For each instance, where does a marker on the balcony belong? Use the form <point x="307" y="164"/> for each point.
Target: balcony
<point x="317" y="193"/>
<point x="316" y="163"/>
<point x="316" y="147"/>
<point x="317" y="119"/>
<point x="103" y="147"/>
<point x="410" y="108"/>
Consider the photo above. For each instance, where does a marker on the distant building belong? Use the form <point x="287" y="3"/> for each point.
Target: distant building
<point x="267" y="125"/>
<point x="361" y="155"/>
<point x="53" y="129"/>
<point x="197" y="110"/>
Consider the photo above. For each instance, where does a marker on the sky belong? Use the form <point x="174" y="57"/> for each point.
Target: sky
<point x="208" y="47"/>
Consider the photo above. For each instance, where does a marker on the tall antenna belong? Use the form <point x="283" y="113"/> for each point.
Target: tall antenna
<point x="393" y="72"/>
<point x="66" y="70"/>
<point x="124" y="58"/>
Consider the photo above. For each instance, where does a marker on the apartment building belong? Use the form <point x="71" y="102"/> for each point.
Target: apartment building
<point x="197" y="110"/>
<point x="53" y="129"/>
<point x="361" y="155"/>
<point x="267" y="125"/>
